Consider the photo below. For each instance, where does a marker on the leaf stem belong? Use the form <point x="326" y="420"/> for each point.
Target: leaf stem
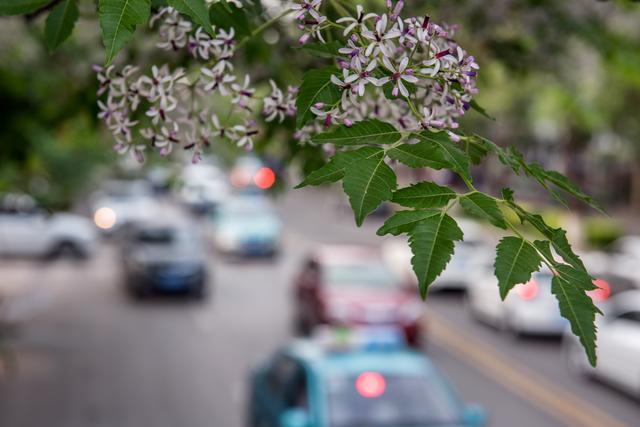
<point x="263" y="27"/>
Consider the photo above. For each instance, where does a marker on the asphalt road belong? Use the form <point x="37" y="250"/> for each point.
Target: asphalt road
<point x="88" y="356"/>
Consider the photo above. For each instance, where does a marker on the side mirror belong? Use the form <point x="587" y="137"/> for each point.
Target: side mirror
<point x="295" y="417"/>
<point x="474" y="416"/>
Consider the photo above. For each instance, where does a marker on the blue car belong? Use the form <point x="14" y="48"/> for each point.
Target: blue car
<point x="307" y="385"/>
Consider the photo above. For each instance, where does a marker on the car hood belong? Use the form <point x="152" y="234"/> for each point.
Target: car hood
<point x="387" y="299"/>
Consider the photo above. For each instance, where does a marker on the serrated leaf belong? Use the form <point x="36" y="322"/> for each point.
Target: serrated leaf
<point x="578" y="308"/>
<point x="196" y="10"/>
<point x="534" y="219"/>
<point x="563" y="183"/>
<point x="563" y="248"/>
<point x="446" y="151"/>
<point x="480" y="109"/>
<point x="60" y="22"/>
<point x="544" y="246"/>
<point x="373" y="132"/>
<point x="118" y="20"/>
<point x="515" y="261"/>
<point x="334" y="169"/>
<point x="316" y="87"/>
<point x="423" y="195"/>
<point x="418" y="155"/>
<point x="227" y="15"/>
<point x="432" y="243"/>
<point x="404" y="221"/>
<point x="481" y="205"/>
<point x="475" y="150"/>
<point x="322" y="50"/>
<point x="368" y="183"/>
<point x="507" y="194"/>
<point x="19" y="7"/>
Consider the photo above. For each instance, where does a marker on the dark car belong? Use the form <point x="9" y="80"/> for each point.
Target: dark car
<point x="352" y="286"/>
<point x="167" y="258"/>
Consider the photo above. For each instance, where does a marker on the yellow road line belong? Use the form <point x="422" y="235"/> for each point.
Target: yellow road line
<point x="545" y="395"/>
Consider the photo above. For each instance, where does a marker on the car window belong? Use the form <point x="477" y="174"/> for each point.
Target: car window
<point x="359" y="275"/>
<point x="632" y="316"/>
<point x="389" y="401"/>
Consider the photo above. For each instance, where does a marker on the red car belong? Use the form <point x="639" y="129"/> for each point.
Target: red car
<point x="351" y="286"/>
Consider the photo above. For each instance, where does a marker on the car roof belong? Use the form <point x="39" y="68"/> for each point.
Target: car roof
<point x="399" y="361"/>
<point x="341" y="254"/>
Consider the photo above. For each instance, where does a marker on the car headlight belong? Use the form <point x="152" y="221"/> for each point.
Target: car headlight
<point x="105" y="218"/>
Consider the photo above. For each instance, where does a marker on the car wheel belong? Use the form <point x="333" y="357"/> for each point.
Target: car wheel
<point x="67" y="249"/>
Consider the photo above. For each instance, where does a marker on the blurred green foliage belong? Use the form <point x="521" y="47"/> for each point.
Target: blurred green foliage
<point x="562" y="80"/>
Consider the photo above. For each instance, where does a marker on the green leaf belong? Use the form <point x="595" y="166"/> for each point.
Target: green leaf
<point x="577" y="307"/>
<point x="563" y="248"/>
<point x="19" y="7"/>
<point x="507" y="194"/>
<point x="534" y="219"/>
<point x="432" y="244"/>
<point x="544" y="246"/>
<point x="446" y="151"/>
<point x="334" y="169"/>
<point x="515" y="261"/>
<point x="368" y="182"/>
<point x="479" y="109"/>
<point x="322" y="50"/>
<point x="227" y="15"/>
<point x="60" y="22"/>
<point x="475" y="150"/>
<point x="316" y="87"/>
<point x="118" y="20"/>
<point x="563" y="183"/>
<point x="196" y="10"/>
<point x="423" y="195"/>
<point x="483" y="206"/>
<point x="364" y="132"/>
<point x="419" y="155"/>
<point x="404" y="221"/>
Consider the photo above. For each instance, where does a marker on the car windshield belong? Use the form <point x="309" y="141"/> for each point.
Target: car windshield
<point x="163" y="236"/>
<point x="359" y="275"/>
<point x="394" y="401"/>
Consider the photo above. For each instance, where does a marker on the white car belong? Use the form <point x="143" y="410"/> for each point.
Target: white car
<point x="121" y="203"/>
<point x="529" y="308"/>
<point x="204" y="188"/>
<point x="27" y="231"/>
<point x="618" y="344"/>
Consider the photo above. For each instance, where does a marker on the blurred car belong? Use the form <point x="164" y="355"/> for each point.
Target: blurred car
<point x="164" y="257"/>
<point x="27" y="230"/>
<point x="204" y="187"/>
<point x="251" y="175"/>
<point x="119" y="204"/>
<point x="352" y="286"/>
<point x="530" y="308"/>
<point x="618" y="344"/>
<point x="307" y="384"/>
<point x="470" y="257"/>
<point x="247" y="226"/>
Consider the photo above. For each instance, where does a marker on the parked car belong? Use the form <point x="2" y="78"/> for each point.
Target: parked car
<point x="250" y="175"/>
<point x="26" y="230"/>
<point x="352" y="286"/>
<point x="306" y="384"/>
<point x="530" y="308"/>
<point x="119" y="204"/>
<point x="618" y="344"/>
<point x="164" y="257"/>
<point x="247" y="226"/>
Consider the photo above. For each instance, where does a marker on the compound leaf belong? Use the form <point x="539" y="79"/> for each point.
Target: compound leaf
<point x="423" y="195"/>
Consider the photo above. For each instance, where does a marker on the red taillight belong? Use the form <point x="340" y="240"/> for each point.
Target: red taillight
<point x="602" y="293"/>
<point x="370" y="384"/>
<point x="528" y="291"/>
<point x="265" y="178"/>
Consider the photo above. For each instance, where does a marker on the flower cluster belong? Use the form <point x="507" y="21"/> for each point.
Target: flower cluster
<point x="169" y="108"/>
<point x="409" y="72"/>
